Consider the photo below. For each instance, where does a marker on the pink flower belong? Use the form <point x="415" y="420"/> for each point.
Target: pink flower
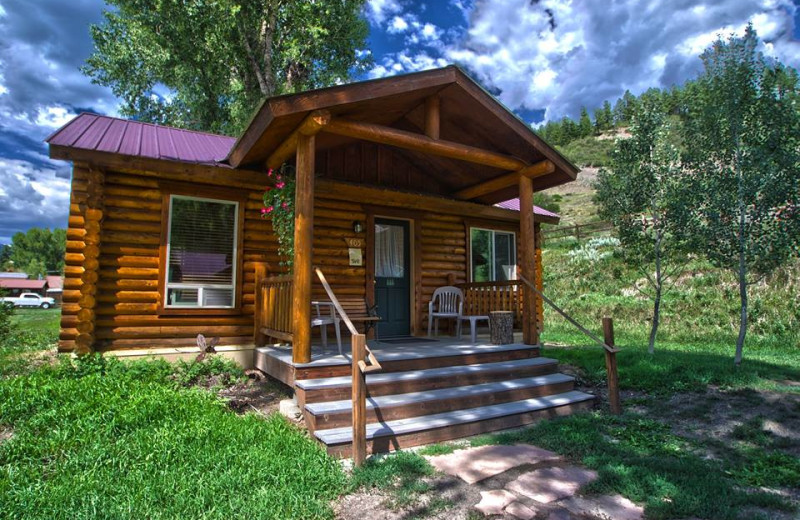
<point x="284" y="205"/>
<point x="263" y="211"/>
<point x="269" y="209"/>
<point x="278" y="177"/>
<point x="269" y="172"/>
<point x="280" y="185"/>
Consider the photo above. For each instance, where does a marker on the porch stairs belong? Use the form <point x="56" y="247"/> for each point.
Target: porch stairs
<point x="426" y="400"/>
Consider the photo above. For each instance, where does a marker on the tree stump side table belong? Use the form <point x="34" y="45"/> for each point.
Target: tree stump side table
<point x="501" y="327"/>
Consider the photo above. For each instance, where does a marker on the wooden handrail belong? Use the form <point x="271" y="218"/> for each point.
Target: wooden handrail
<point x="569" y="318"/>
<point x="358" y="352"/>
<point x="608" y="347"/>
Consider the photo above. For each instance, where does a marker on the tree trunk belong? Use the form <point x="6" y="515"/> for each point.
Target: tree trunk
<point x="651" y="348"/>
<point x="737" y="360"/>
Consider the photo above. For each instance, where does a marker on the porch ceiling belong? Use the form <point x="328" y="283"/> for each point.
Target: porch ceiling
<point x="468" y="116"/>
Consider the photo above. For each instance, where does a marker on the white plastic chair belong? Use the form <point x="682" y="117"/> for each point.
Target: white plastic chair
<point x="322" y="321"/>
<point x="448" y="302"/>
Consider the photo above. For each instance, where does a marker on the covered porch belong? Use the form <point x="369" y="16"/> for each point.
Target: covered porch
<point x="424" y="157"/>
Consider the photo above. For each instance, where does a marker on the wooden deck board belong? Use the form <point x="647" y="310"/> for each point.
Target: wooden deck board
<point x="463" y="392"/>
<point x="451" y="371"/>
<point x="336" y="436"/>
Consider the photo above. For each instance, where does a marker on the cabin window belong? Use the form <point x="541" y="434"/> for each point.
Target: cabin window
<point x="493" y="255"/>
<point x="201" y="253"/>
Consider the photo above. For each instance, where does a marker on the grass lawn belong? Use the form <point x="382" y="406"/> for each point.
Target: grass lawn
<point x="102" y="438"/>
<point x="699" y="438"/>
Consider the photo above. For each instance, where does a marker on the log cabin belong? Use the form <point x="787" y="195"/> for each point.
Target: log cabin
<point x="403" y="185"/>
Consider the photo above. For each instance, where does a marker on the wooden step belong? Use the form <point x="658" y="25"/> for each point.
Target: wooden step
<point x="403" y="360"/>
<point x="338" y="388"/>
<point x="415" y="431"/>
<point x="336" y="414"/>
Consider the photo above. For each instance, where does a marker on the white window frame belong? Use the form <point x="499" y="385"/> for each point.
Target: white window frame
<point x="492" y="252"/>
<point x="200" y="287"/>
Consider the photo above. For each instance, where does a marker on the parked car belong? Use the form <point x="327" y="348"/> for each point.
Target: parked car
<point x="29" y="300"/>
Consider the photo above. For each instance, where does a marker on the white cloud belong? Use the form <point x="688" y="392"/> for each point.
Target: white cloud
<point x="397" y="25"/>
<point x="31" y="196"/>
<point x="378" y="11"/>
<point x="560" y="55"/>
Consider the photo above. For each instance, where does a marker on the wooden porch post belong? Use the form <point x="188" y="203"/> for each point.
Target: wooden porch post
<point x="303" y="238"/>
<point x="527" y="244"/>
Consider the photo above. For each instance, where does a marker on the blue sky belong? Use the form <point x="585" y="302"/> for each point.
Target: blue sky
<point x="543" y="58"/>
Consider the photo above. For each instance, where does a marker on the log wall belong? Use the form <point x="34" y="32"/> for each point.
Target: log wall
<point x="127" y="268"/>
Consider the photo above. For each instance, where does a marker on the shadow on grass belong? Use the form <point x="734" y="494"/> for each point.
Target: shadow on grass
<point x="641" y="459"/>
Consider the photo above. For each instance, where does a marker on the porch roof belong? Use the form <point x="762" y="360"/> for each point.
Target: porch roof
<point x="468" y="116"/>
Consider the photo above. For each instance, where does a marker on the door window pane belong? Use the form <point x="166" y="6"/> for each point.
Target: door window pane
<point x="201" y="253"/>
<point x="389" y="251"/>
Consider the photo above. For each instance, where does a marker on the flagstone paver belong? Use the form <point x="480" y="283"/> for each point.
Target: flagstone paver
<point x="559" y="514"/>
<point x="606" y="506"/>
<point x="494" y="502"/>
<point x="549" y="484"/>
<point x="475" y="464"/>
<point x="520" y="511"/>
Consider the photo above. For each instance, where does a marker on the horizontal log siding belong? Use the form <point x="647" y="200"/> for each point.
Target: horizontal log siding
<point x="128" y="276"/>
<point x="333" y="224"/>
<point x="127" y="296"/>
<point x="444" y="252"/>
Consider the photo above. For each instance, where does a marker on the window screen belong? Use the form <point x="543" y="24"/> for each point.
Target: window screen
<point x="494" y="255"/>
<point x="201" y="253"/>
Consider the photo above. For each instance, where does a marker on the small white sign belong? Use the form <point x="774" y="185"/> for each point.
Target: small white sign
<point x="355" y="256"/>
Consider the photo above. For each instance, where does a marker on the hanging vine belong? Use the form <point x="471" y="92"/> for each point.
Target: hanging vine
<point x="279" y="208"/>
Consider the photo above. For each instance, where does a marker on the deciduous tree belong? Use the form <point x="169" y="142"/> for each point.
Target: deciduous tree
<point x="206" y="64"/>
<point x="742" y="196"/>
<point x="39" y="250"/>
<point x="637" y="193"/>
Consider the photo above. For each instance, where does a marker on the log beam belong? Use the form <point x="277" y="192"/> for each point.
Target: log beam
<point x="419" y="143"/>
<point x="303" y="243"/>
<point x="432" y="116"/>
<point x="527" y="245"/>
<point x="506" y="180"/>
<point x="310" y="126"/>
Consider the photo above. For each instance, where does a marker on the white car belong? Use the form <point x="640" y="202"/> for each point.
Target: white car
<point x="30" y="300"/>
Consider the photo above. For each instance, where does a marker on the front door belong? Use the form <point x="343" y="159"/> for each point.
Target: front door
<point x="392" y="279"/>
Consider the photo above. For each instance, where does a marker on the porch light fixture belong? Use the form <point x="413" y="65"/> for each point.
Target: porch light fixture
<point x="357" y="227"/>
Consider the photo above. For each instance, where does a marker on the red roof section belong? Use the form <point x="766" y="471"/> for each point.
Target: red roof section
<point x="54" y="281"/>
<point x="109" y="134"/>
<point x="16" y="283"/>
<point x="514" y="204"/>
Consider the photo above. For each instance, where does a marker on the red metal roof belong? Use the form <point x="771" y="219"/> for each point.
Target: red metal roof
<point x="55" y="281"/>
<point x="16" y="283"/>
<point x="514" y="204"/>
<point x="113" y="135"/>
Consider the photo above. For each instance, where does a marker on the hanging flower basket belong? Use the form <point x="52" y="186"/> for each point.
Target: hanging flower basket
<point x="279" y="208"/>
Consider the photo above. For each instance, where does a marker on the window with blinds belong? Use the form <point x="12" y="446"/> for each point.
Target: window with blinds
<point x="493" y="255"/>
<point x="201" y="253"/>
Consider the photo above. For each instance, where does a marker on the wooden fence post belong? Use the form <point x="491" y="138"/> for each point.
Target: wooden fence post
<point x="611" y="367"/>
<point x="359" y="390"/>
<point x="260" y="305"/>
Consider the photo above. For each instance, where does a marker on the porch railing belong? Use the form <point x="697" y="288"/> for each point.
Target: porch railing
<point x="480" y="298"/>
<point x="273" y="312"/>
<point x="363" y="361"/>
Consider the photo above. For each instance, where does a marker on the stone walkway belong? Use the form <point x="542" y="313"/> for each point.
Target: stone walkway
<point x="525" y="482"/>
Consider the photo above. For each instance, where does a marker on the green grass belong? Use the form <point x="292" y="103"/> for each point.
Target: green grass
<point x="589" y="151"/>
<point x="32" y="331"/>
<point x="641" y="459"/>
<point x="696" y="339"/>
<point x="122" y="440"/>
